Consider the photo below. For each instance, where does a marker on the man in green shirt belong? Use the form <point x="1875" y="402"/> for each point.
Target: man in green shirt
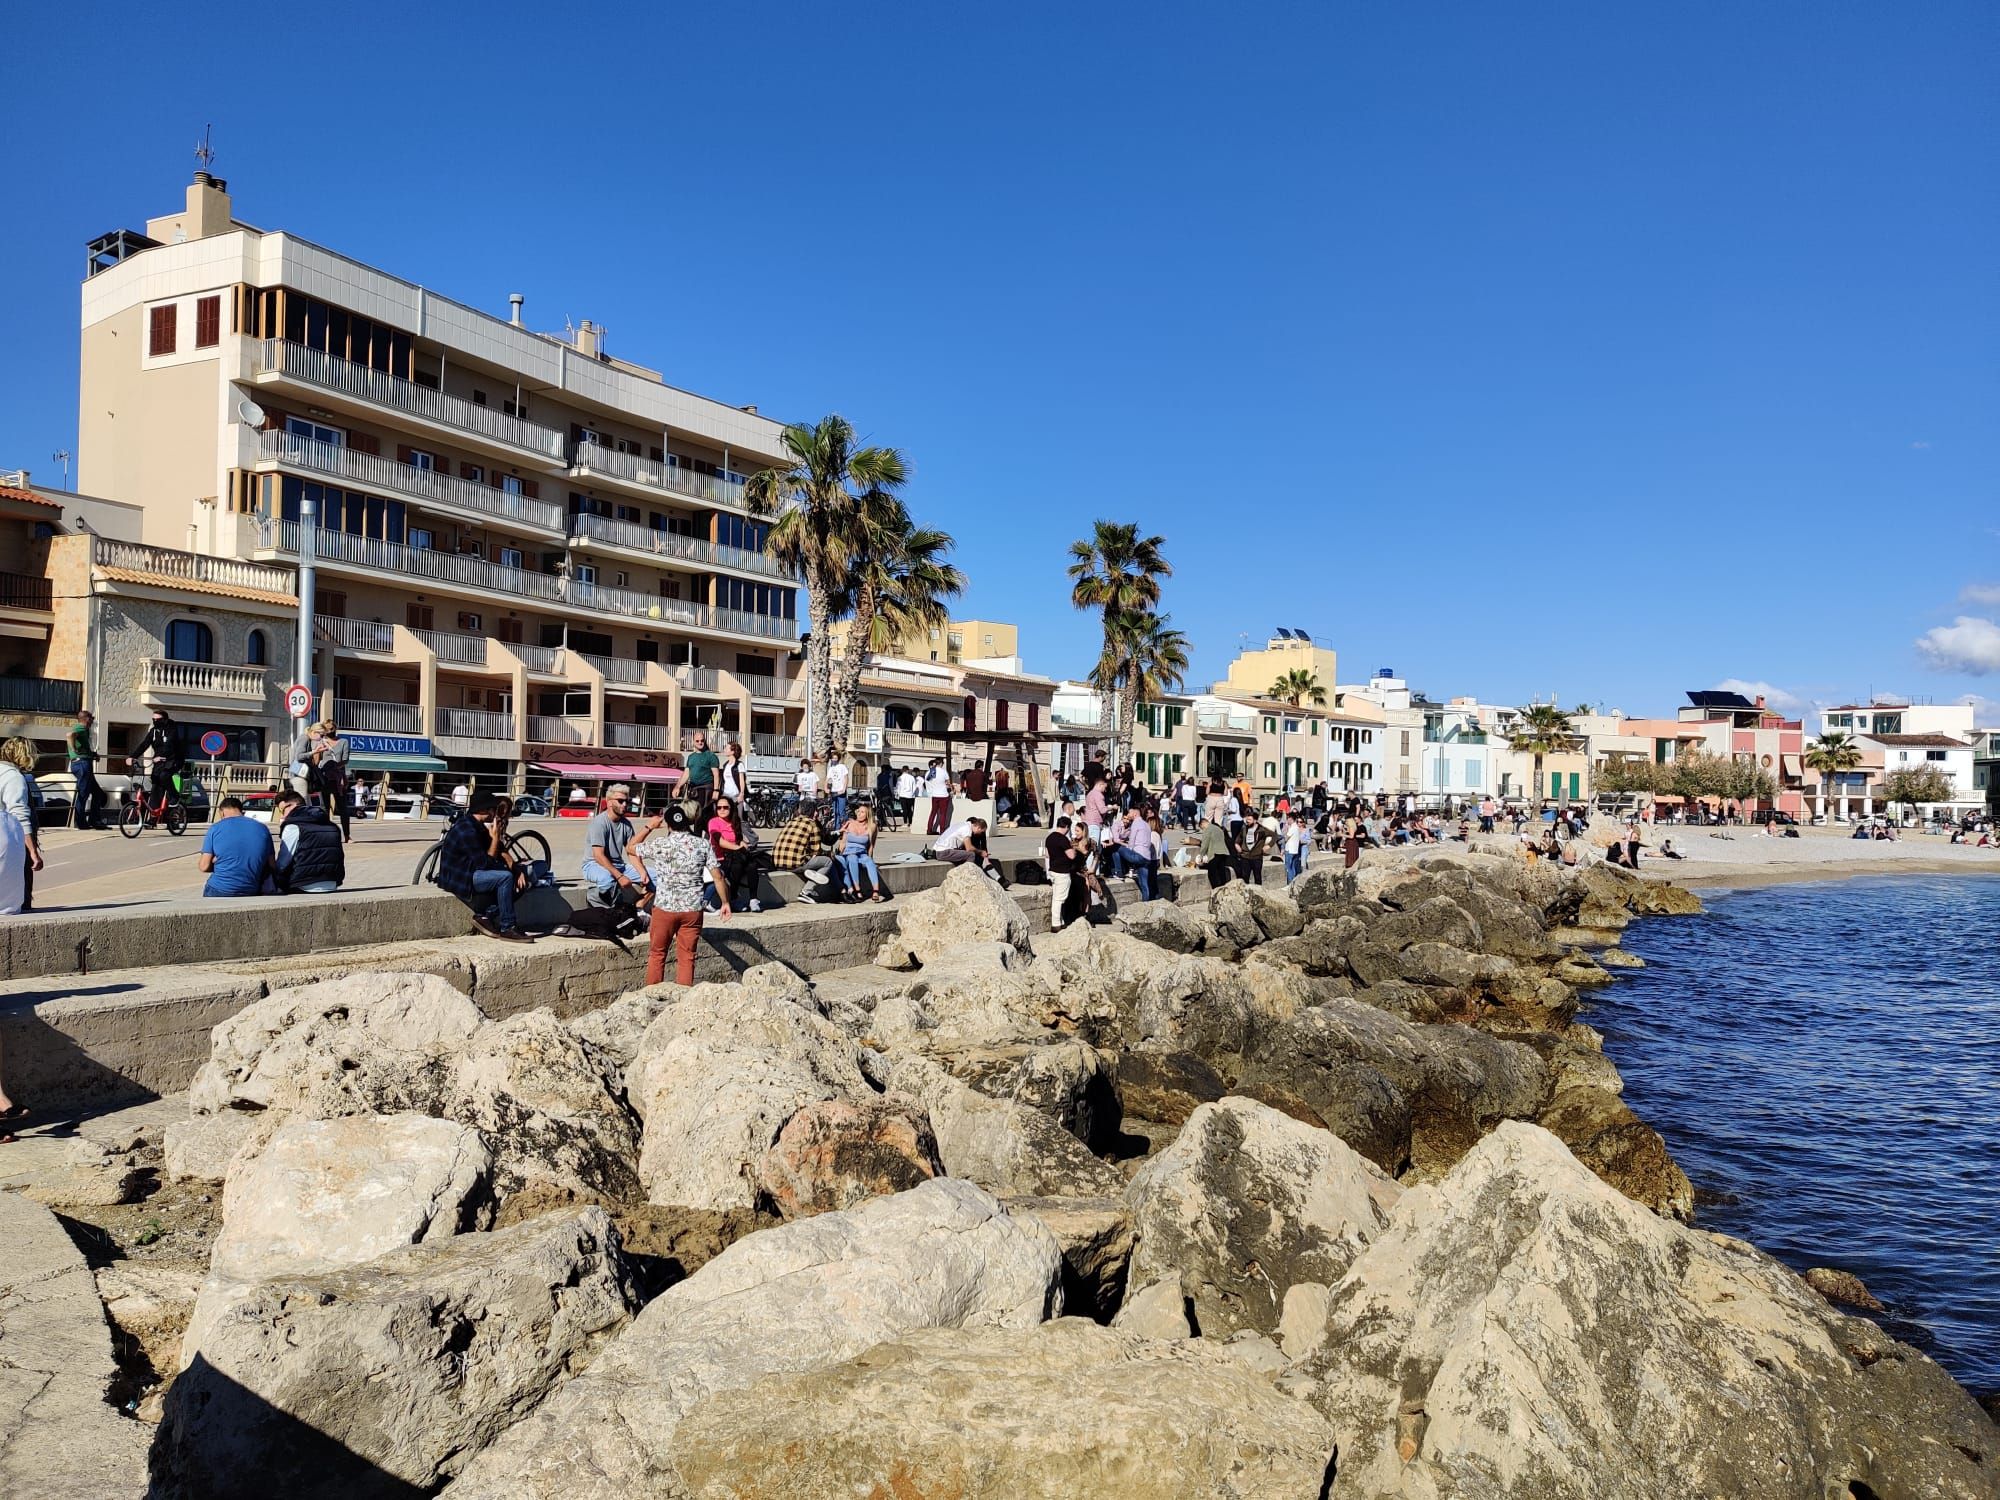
<point x="702" y="764"/>
<point x="86" y="809"/>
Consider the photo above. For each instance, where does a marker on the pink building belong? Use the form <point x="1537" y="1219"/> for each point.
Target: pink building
<point x="1733" y="725"/>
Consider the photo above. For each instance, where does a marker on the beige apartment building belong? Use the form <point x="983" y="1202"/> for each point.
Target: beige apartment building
<point x="529" y="552"/>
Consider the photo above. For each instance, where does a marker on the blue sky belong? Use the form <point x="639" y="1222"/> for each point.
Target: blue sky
<point x="1526" y="348"/>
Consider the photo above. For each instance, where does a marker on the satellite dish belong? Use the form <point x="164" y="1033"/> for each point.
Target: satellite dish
<point x="251" y="413"/>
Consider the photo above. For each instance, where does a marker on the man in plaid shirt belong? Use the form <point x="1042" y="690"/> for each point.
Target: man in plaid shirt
<point x="801" y="845"/>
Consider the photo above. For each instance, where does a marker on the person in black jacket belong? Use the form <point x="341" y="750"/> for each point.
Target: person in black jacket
<point x="310" y="858"/>
<point x="163" y="739"/>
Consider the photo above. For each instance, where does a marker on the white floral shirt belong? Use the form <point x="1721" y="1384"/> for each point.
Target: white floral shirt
<point x="678" y="862"/>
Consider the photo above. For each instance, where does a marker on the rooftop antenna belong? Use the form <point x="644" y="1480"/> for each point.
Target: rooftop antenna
<point x="204" y="154"/>
<point x="63" y="456"/>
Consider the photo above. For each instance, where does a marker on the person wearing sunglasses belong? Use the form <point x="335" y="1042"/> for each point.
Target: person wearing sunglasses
<point x="611" y="876"/>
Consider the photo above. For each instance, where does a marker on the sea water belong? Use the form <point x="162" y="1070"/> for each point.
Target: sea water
<point x="1824" y="1062"/>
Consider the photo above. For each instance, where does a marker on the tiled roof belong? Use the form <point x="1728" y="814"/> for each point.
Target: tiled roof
<point x="1928" y="741"/>
<point x="8" y="492"/>
<point x="195" y="586"/>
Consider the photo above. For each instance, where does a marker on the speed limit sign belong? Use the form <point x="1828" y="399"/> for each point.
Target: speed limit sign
<point x="298" y="700"/>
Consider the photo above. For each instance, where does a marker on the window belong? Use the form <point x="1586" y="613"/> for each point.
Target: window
<point x="332" y="604"/>
<point x="1270" y="770"/>
<point x="1406" y="744"/>
<point x="510" y="557"/>
<point x="479" y="398"/>
<point x="474" y="472"/>
<point x="1934" y="755"/>
<point x="419" y="616"/>
<point x="467" y="620"/>
<point x="1472" y="773"/>
<point x="586" y="573"/>
<point x="162" y="330"/>
<point x="1000" y="715"/>
<point x="418" y="459"/>
<point x="511" y="483"/>
<point x="424" y="537"/>
<point x="256" y="650"/>
<point x="207" y="322"/>
<point x="1270" y="727"/>
<point x="313" y="432"/>
<point x="190" y="640"/>
<point x="510" y="631"/>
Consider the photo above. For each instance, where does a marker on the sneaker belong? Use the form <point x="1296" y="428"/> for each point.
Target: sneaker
<point x="755" y="904"/>
<point x="817" y="877"/>
<point x="486" y="925"/>
<point x="513" y="935"/>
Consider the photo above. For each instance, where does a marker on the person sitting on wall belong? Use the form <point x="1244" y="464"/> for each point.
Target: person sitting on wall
<point x="309" y="858"/>
<point x="235" y="853"/>
<point x="965" y="843"/>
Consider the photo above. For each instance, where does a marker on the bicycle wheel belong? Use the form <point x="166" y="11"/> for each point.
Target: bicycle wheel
<point x="177" y="817"/>
<point x="132" y="818"/>
<point x="427" y="864"/>
<point x="529" y="845"/>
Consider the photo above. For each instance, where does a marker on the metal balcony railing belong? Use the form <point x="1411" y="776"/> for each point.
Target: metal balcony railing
<point x="475" y="724"/>
<point x="782" y="688"/>
<point x="538" y="658"/>
<point x="617" y="668"/>
<point x="425" y="486"/>
<point x="669" y="545"/>
<point x="25" y="591"/>
<point x="378" y="718"/>
<point x="40" y="695"/>
<point x="777" y="744"/>
<point x="462" y="650"/>
<point x="355" y="635"/>
<point x="162" y="674"/>
<point x="699" y="679"/>
<point x="421" y="562"/>
<point x="548" y="730"/>
<point x="595" y="458"/>
<point x="637" y="736"/>
<point x="330" y="373"/>
<point x="191" y="567"/>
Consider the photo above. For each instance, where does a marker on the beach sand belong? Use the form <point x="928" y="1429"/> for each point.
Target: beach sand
<point x="1750" y="857"/>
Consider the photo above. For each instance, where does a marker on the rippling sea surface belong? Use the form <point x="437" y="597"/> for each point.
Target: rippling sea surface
<point x="1828" y="1057"/>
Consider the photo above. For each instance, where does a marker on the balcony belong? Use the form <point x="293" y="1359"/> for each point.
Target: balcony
<point x="191" y="567"/>
<point x="637" y="736"/>
<point x="203" y="682"/>
<point x="378" y="718"/>
<point x="684" y="612"/>
<point x="370" y="636"/>
<point x="429" y="487"/>
<point x="340" y="377"/>
<point x="594" y="459"/>
<point x="777" y="744"/>
<point x="453" y="568"/>
<point x="475" y="724"/>
<point x="40" y="695"/>
<point x="699" y="679"/>
<point x="25" y="591"/>
<point x="544" y="659"/>
<point x="668" y="545"/>
<point x="1222" y="721"/>
<point x="458" y="650"/>
<point x="545" y="729"/>
<point x="618" y="668"/>
<point x="778" y="689"/>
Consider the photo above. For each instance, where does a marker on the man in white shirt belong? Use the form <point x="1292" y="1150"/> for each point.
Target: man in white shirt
<point x="808" y="781"/>
<point x="937" y="786"/>
<point x="836" y="788"/>
<point x="907" y="786"/>
<point x="965" y="844"/>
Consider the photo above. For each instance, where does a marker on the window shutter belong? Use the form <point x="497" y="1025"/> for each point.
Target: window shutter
<point x="207" y="322"/>
<point x="161" y="335"/>
<point x="1034" y="716"/>
<point x="404" y="453"/>
<point x="465" y="469"/>
<point x="360" y="442"/>
<point x="531" y="489"/>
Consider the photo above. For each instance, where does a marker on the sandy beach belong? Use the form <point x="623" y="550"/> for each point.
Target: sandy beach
<point x="1749" y="856"/>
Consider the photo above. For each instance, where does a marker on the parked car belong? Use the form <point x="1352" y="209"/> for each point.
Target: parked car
<point x="1765" y="815"/>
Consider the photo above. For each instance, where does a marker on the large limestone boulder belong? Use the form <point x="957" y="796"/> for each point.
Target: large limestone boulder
<point x="1604" y="1134"/>
<point x="1067" y="1409"/>
<point x="1166" y="1086"/>
<point x="965" y="907"/>
<point x="975" y="994"/>
<point x="1247" y="1203"/>
<point x="839" y="1152"/>
<point x="1520" y="1328"/>
<point x="800" y="1297"/>
<point x="362" y="1044"/>
<point x="323" y="1194"/>
<point x="1068" y="1080"/>
<point x="548" y="1105"/>
<point x="201" y="1147"/>
<point x="1000" y="1144"/>
<point x="1096" y="1238"/>
<point x="1165" y="924"/>
<point x="1320" y="947"/>
<point x="716" y="1083"/>
<point x="389" y="1373"/>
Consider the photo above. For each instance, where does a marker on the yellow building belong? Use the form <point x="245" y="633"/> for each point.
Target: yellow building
<point x="1252" y="674"/>
<point x="959" y="641"/>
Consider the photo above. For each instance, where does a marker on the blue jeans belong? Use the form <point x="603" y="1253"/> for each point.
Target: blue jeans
<point x="602" y="885"/>
<point x="499" y="884"/>
<point x="1145" y="874"/>
<point x="1295" y="865"/>
<point x="87" y="801"/>
<point x="854" y="864"/>
<point x="839" y="809"/>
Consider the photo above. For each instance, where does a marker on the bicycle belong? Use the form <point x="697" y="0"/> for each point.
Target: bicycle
<point x="523" y="846"/>
<point x="135" y="817"/>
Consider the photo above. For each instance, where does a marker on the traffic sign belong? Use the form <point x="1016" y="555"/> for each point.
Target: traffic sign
<point x="298" y="700"/>
<point x="214" y="743"/>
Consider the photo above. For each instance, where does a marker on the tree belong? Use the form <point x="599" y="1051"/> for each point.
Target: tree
<point x="1581" y="708"/>
<point x="1117" y="572"/>
<point x="1298" y="687"/>
<point x="1623" y="777"/>
<point x="1144" y="658"/>
<point x="897" y="583"/>
<point x="1912" y="785"/>
<point x="1543" y="730"/>
<point x="1831" y="755"/>
<point x="816" y="500"/>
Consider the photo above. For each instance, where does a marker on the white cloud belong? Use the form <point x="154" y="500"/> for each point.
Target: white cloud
<point x="1985" y="711"/>
<point x="1783" y="700"/>
<point x="1969" y="644"/>
<point x="1920" y="444"/>
<point x="1980" y="593"/>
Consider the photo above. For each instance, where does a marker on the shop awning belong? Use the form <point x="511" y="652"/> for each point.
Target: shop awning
<point x="363" y="760"/>
<point x="1791" y="766"/>
<point x="589" y="772"/>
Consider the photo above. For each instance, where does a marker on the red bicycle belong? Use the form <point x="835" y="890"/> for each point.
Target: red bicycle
<point x="138" y="814"/>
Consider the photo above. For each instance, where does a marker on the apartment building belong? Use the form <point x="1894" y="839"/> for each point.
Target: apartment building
<point x="1355" y="745"/>
<point x="993" y="642"/>
<point x="1400" y="766"/>
<point x="1254" y="672"/>
<point x="526" y="550"/>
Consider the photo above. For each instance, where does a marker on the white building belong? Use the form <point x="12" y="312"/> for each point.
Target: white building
<point x="1399" y="769"/>
<point x="1356" y="744"/>
<point x="1457" y="755"/>
<point x="1948" y="753"/>
<point x="1954" y="719"/>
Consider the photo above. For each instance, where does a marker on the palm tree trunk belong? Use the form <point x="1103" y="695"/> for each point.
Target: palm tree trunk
<point x="1128" y="718"/>
<point x="847" y="685"/>
<point x="1541" y="799"/>
<point x="819" y="665"/>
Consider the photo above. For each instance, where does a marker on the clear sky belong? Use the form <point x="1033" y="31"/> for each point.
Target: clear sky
<point x="1608" y="351"/>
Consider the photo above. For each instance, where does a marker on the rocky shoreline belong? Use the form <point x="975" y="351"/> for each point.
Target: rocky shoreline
<point x="1318" y="1194"/>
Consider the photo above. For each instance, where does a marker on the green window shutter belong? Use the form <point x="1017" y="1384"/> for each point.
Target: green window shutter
<point x="1270" y="727"/>
<point x="1175" y="718"/>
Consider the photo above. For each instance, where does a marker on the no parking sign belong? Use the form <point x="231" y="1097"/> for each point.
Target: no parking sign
<point x="214" y="743"/>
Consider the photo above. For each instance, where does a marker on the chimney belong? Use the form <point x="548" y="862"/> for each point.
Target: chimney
<point x="514" y="301"/>
<point x="208" y="208"/>
<point x="1760" y="700"/>
<point x="589" y="339"/>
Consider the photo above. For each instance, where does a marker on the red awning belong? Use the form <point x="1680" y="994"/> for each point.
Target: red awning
<point x="584" y="772"/>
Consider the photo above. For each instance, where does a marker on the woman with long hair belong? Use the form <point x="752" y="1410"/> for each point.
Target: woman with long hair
<point x="857" y="853"/>
<point x="732" y="851"/>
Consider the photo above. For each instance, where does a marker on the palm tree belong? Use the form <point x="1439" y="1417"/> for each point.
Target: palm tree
<point x="1143" y="659"/>
<point x="816" y="500"/>
<point x="1543" y="729"/>
<point x="1115" y="571"/>
<point x="1298" y="687"/>
<point x="1831" y="755"/>
<point x="897" y="583"/>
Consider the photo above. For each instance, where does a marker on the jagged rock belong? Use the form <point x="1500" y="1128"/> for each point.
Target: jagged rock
<point x="1319" y="948"/>
<point x="1166" y="1086"/>
<point x="1579" y="972"/>
<point x="1096" y="1237"/>
<point x="1246" y="1203"/>
<point x="1842" y="1286"/>
<point x="1164" y="924"/>
<point x="1521" y="1328"/>
<point x="1254" y="1351"/>
<point x="1000" y="1412"/>
<point x="780" y="981"/>
<point x="616" y="1030"/>
<point x="329" y="1193"/>
<point x="800" y="1297"/>
<point x="1070" y="1082"/>
<point x="1003" y="1146"/>
<point x="975" y="994"/>
<point x="1158" y="1311"/>
<point x="547" y="1104"/>
<point x="1321" y="887"/>
<point x="1233" y="911"/>
<point x="1660" y="898"/>
<point x="1436" y="919"/>
<point x="1399" y="997"/>
<point x="839" y="1152"/>
<point x="363" y="1044"/>
<point x="1302" y="1317"/>
<point x="150" y="1302"/>
<point x="200" y="1149"/>
<point x="1618" y="958"/>
<point x="965" y="907"/>
<point x="387" y="1373"/>
<point x="1604" y="1134"/>
<point x="715" y="1084"/>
